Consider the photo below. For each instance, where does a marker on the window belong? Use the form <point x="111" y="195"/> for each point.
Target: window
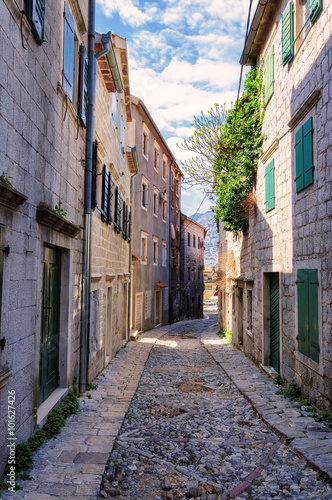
<point x="249" y="310"/>
<point x="194" y="241"/>
<point x="164" y="209"/>
<point x="155" y="251"/>
<point x="68" y="69"/>
<point x="188" y="273"/>
<point x="307" y="313"/>
<point x="125" y="221"/>
<point x="199" y="242"/>
<point x="269" y="76"/>
<point x="117" y="210"/>
<point x="155" y="202"/>
<point x="269" y="187"/>
<point x="155" y="159"/>
<point x="106" y="195"/>
<point x="35" y="11"/>
<point x="164" y="254"/>
<point x="148" y="304"/>
<point x="114" y="109"/>
<point x="304" y="14"/>
<point x="164" y="169"/>
<point x="144" y="248"/>
<point x="188" y="242"/>
<point x="2" y="254"/>
<point x="144" y="194"/>
<point x="145" y="144"/>
<point x="304" y="158"/>
<point x="194" y="273"/>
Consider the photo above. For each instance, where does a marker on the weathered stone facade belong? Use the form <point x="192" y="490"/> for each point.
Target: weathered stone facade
<point x="289" y="241"/>
<point x="42" y="144"/>
<point x="152" y="216"/>
<point x="110" y="266"/>
<point x="192" y="267"/>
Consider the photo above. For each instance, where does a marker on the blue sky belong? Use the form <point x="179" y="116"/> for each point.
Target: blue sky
<point x="183" y="58"/>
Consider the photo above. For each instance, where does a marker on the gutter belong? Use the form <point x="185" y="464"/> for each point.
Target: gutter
<point x="252" y="32"/>
<point x="108" y="50"/>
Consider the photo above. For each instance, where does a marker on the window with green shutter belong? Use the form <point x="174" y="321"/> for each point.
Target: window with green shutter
<point x="304" y="157"/>
<point x="307" y="313"/>
<point x="269" y="186"/>
<point x="269" y="76"/>
<point x="117" y="210"/>
<point x="68" y="70"/>
<point x="315" y="8"/>
<point x="35" y="11"/>
<point x="107" y="195"/>
<point x="83" y="85"/>
<point x="2" y="255"/>
<point x="287" y="34"/>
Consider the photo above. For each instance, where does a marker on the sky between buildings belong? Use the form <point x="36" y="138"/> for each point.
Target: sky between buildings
<point x="183" y="58"/>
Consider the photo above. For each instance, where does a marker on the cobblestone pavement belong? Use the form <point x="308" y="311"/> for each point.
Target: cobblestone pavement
<point x="190" y="431"/>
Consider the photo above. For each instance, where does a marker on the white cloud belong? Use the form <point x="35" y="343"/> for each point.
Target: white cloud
<point x="127" y="10"/>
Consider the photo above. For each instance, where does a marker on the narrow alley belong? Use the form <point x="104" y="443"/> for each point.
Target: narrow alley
<point x="169" y="411"/>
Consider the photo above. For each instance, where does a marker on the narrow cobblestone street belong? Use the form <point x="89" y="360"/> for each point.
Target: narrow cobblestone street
<point x="189" y="431"/>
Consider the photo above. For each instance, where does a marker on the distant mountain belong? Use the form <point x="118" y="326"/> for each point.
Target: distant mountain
<point x="212" y="237"/>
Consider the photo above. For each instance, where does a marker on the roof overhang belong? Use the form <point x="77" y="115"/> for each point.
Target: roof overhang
<point x="161" y="285"/>
<point x="132" y="160"/>
<point x="105" y="55"/>
<point x="120" y="44"/>
<point x="259" y="27"/>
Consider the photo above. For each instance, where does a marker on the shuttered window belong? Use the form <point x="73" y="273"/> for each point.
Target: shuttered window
<point x="117" y="210"/>
<point x="2" y="255"/>
<point x="287" y="34"/>
<point x="315" y="8"/>
<point x="269" y="76"/>
<point x="269" y="186"/>
<point x="94" y="174"/>
<point x="68" y="70"/>
<point x="304" y="158"/>
<point x="35" y="11"/>
<point x="107" y="194"/>
<point x="307" y="313"/>
<point x="83" y="85"/>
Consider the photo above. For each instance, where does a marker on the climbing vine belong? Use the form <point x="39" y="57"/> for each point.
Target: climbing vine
<point x="235" y="163"/>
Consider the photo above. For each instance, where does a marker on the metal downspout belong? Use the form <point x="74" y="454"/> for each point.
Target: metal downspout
<point x="85" y="329"/>
<point x="130" y="249"/>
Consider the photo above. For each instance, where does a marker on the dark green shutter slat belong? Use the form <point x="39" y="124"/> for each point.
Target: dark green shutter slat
<point x="2" y="255"/>
<point x="274" y="322"/>
<point x="299" y="176"/>
<point x="94" y="175"/>
<point x="313" y="315"/>
<point x="109" y="198"/>
<point x="104" y="198"/>
<point x="83" y="85"/>
<point x="269" y="187"/>
<point x="68" y="54"/>
<point x="287" y="34"/>
<point x="303" y="311"/>
<point x="308" y="156"/>
<point x="315" y="8"/>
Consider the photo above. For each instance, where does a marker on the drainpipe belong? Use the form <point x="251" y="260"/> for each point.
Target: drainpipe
<point x="130" y="248"/>
<point x="85" y="328"/>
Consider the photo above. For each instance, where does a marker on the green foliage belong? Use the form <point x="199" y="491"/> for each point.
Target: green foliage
<point x="239" y="147"/>
<point x="4" y="177"/>
<point x="225" y="334"/>
<point x="55" y="420"/>
<point x="59" y="211"/>
<point x="278" y="380"/>
<point x="91" y="387"/>
<point x="291" y="392"/>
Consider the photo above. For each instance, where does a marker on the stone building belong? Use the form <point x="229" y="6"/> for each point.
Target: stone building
<point x="152" y="215"/>
<point x="192" y="267"/>
<point x="176" y="177"/>
<point x="276" y="278"/>
<point x="42" y="152"/>
<point x="211" y="280"/>
<point x="114" y="163"/>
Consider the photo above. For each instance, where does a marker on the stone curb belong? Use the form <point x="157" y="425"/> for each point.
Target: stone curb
<point x="310" y="439"/>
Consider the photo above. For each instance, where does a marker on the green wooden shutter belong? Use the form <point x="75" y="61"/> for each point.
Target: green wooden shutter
<point x="68" y="70"/>
<point x="287" y="34"/>
<point x="269" y="187"/>
<point x="119" y="210"/>
<point x="269" y="76"/>
<point x="83" y="85"/>
<point x="104" y="194"/>
<point x="313" y="284"/>
<point x="35" y="11"/>
<point x="303" y="311"/>
<point x="315" y="8"/>
<point x="308" y="156"/>
<point x="109" y="198"/>
<point x="299" y="176"/>
<point x="2" y="255"/>
<point x="94" y="175"/>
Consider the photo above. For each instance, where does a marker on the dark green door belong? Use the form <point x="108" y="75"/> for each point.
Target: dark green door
<point x="274" y="322"/>
<point x="50" y="328"/>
